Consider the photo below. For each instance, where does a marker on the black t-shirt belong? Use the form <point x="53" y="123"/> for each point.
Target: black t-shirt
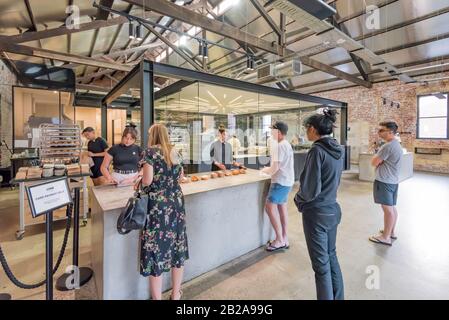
<point x="97" y="145"/>
<point x="125" y="158"/>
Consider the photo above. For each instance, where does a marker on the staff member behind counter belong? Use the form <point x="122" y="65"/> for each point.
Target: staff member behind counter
<point x="97" y="148"/>
<point x="221" y="153"/>
<point x="125" y="159"/>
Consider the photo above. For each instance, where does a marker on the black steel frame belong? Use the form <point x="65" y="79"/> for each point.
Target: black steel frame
<point x="146" y="71"/>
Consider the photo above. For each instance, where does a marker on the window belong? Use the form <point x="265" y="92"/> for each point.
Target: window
<point x="433" y="120"/>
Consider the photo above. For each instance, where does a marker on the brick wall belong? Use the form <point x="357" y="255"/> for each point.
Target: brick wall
<point x="366" y="106"/>
<point x="7" y="80"/>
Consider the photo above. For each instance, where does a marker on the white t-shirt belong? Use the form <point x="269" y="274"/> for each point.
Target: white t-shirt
<point x="282" y="152"/>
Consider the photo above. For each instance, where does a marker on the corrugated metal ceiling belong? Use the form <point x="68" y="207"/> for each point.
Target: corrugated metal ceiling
<point x="400" y="42"/>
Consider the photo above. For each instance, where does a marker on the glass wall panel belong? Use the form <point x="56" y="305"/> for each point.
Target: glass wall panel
<point x="194" y="112"/>
<point x="33" y="107"/>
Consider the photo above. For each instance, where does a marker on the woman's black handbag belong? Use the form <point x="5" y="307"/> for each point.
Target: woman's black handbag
<point x="134" y="216"/>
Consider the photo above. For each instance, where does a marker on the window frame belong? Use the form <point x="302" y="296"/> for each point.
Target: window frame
<point x="418" y="118"/>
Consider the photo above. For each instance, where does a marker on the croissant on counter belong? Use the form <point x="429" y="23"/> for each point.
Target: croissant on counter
<point x="195" y="179"/>
<point x="205" y="177"/>
<point x="214" y="175"/>
<point x="235" y="172"/>
<point x="242" y="171"/>
<point x="185" y="180"/>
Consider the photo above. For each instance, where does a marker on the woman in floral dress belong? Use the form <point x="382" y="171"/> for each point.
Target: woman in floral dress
<point x="164" y="239"/>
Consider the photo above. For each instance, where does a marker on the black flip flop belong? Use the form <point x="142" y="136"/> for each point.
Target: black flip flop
<point x="375" y="240"/>
<point x="270" y="248"/>
<point x="269" y="242"/>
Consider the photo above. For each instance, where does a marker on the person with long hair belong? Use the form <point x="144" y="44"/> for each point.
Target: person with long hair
<point x="317" y="200"/>
<point x="125" y="158"/>
<point x="164" y="240"/>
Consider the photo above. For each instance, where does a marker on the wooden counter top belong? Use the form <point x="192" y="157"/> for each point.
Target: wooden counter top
<point x="112" y="197"/>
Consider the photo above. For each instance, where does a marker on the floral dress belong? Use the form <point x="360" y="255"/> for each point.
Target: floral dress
<point x="164" y="239"/>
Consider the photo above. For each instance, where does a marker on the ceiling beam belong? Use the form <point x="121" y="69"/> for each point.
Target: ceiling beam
<point x="342" y="20"/>
<point x="174" y="47"/>
<point x="361" y="66"/>
<point x="335" y="72"/>
<point x="267" y="17"/>
<point x="34" y="24"/>
<point x="393" y="49"/>
<point x="63" y="30"/>
<point x="103" y="14"/>
<point x="90" y="87"/>
<point x="65" y="57"/>
<point x="180" y="13"/>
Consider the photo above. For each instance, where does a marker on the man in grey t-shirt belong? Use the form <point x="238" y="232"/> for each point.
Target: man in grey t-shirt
<point x="385" y="190"/>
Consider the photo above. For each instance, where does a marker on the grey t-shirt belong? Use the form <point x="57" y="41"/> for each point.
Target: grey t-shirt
<point x="388" y="170"/>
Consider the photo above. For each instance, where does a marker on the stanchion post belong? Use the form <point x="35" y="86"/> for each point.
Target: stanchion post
<point x="49" y="255"/>
<point x="79" y="276"/>
<point x="5" y="296"/>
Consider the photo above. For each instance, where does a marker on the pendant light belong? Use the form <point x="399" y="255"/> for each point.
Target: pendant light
<point x="132" y="33"/>
<point x="139" y="32"/>
<point x="250" y="63"/>
<point x="200" y="49"/>
<point x="205" y="51"/>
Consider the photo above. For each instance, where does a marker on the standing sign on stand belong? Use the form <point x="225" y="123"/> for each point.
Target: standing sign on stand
<point x="43" y="199"/>
<point x="48" y="196"/>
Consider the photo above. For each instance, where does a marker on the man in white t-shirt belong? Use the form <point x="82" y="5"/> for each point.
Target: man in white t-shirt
<point x="282" y="179"/>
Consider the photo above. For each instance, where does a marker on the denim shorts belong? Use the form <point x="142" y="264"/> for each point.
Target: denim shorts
<point x="278" y="194"/>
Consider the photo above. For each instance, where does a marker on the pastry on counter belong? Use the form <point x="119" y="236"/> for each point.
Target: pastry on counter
<point x="21" y="175"/>
<point x="205" y="177"/>
<point x="195" y="179"/>
<point x="242" y="171"/>
<point x="220" y="174"/>
<point x="214" y="175"/>
<point x="185" y="180"/>
<point x="235" y="172"/>
<point x="228" y="174"/>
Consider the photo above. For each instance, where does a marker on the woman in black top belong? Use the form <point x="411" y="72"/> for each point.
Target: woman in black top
<point x="125" y="159"/>
<point x="317" y="200"/>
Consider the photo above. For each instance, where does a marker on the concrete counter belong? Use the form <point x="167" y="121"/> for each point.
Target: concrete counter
<point x="225" y="220"/>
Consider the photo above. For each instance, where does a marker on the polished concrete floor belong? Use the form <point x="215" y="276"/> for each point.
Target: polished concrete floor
<point x="415" y="267"/>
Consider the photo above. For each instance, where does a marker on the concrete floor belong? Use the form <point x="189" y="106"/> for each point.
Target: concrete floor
<point x="415" y="267"/>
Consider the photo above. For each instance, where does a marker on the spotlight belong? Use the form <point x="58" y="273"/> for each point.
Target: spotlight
<point x="250" y="63"/>
<point x="132" y="32"/>
<point x="139" y="32"/>
<point x="203" y="51"/>
<point x="200" y="49"/>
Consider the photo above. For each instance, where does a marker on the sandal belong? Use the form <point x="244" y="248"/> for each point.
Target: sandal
<point x="272" y="248"/>
<point x="392" y="237"/>
<point x="378" y="241"/>
<point x="287" y="246"/>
